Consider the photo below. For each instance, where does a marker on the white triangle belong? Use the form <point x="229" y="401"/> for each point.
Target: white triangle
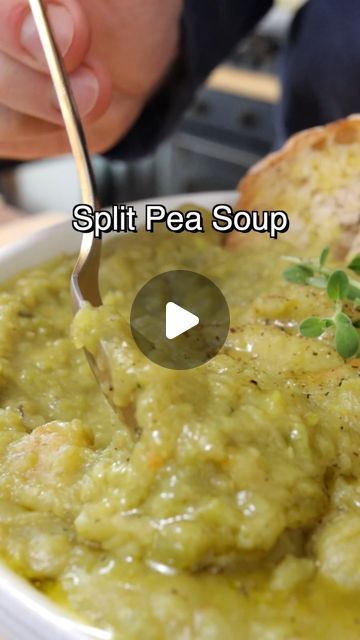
<point x="178" y="320"/>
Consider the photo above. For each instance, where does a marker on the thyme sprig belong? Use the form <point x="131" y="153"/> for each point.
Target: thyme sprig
<point x="341" y="289"/>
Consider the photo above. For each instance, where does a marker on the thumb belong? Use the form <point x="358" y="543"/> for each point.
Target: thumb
<point x="19" y="38"/>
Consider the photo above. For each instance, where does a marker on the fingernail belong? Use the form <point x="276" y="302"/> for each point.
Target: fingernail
<point x="86" y="90"/>
<point x="62" y="24"/>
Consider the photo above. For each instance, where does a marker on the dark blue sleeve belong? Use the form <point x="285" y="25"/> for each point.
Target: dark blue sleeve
<point x="321" y="69"/>
<point x="210" y="30"/>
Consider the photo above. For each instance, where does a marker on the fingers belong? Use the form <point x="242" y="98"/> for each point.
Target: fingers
<point x="32" y="93"/>
<point x="17" y="131"/>
<point x="23" y="137"/>
<point x="25" y="84"/>
<point x="19" y="38"/>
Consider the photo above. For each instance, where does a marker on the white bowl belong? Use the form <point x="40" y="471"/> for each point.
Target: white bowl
<point x="26" y="614"/>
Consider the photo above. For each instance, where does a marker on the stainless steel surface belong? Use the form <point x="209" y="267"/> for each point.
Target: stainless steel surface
<point x="85" y="278"/>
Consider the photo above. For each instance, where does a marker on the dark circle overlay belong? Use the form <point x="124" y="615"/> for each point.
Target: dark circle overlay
<point x="196" y="294"/>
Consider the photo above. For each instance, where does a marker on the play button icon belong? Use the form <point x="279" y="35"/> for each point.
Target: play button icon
<point x="180" y="319"/>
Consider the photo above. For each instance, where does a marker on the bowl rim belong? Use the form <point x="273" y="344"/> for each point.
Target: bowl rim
<point x="204" y="199"/>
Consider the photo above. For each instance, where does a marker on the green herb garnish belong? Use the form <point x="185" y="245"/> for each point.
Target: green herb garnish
<point x="341" y="289"/>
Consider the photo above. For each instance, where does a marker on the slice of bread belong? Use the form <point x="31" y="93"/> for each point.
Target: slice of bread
<point x="315" y="178"/>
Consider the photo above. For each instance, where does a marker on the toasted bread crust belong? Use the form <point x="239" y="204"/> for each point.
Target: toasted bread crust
<point x="341" y="132"/>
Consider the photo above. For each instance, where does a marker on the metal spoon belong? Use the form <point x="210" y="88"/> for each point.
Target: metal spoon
<point x="85" y="277"/>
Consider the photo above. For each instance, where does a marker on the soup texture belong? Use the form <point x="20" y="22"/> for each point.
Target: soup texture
<point x="217" y="503"/>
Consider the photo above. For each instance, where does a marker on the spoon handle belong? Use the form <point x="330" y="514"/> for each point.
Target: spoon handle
<point x="85" y="276"/>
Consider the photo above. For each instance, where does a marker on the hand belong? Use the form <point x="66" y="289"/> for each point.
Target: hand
<point x="116" y="51"/>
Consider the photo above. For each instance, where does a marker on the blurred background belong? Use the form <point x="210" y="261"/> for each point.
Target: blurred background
<point x="228" y="128"/>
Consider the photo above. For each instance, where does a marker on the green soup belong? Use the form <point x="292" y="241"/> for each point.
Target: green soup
<point x="220" y="503"/>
